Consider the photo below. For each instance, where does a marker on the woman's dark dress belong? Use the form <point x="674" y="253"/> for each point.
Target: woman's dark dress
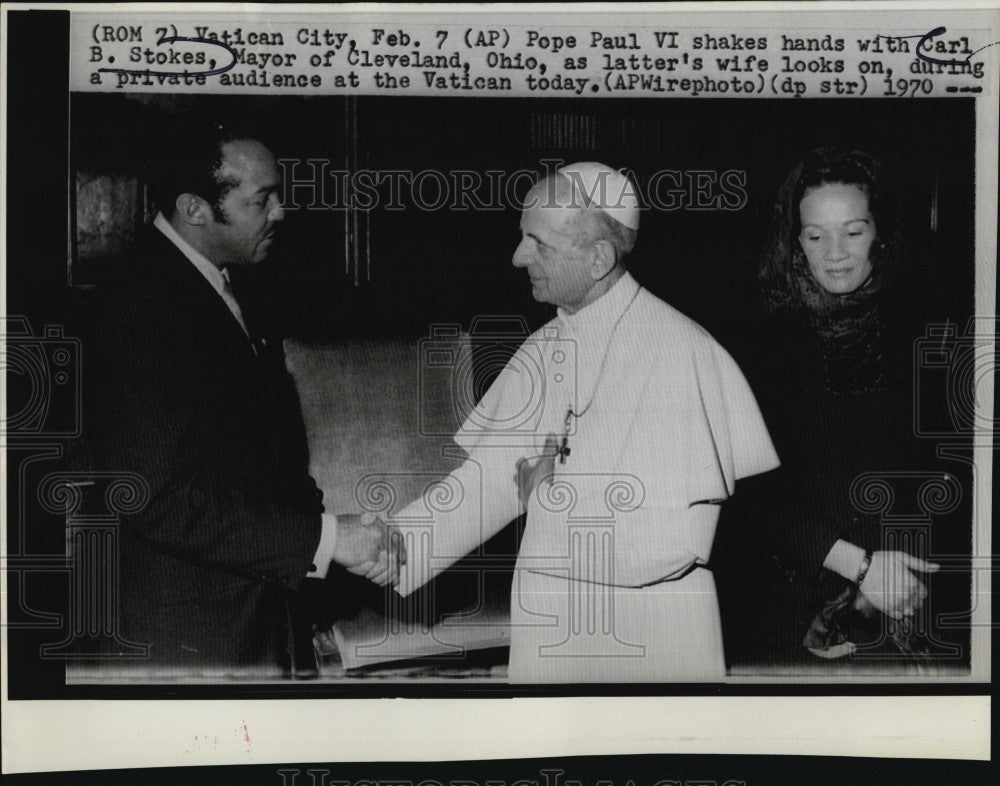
<point x="839" y="395"/>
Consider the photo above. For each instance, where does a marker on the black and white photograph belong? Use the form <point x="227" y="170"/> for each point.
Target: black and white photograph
<point x="474" y="356"/>
<point x="771" y="394"/>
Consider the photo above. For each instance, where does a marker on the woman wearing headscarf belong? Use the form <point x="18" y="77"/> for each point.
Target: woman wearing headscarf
<point x="832" y="367"/>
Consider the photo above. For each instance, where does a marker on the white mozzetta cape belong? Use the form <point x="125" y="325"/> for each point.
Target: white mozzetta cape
<point x="666" y="428"/>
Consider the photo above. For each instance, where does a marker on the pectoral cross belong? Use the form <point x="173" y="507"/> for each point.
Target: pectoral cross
<point x="563" y="451"/>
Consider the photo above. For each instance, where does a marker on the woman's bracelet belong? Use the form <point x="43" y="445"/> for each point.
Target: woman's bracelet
<point x="866" y="563"/>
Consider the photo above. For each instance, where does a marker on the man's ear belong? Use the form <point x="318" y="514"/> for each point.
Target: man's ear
<point x="192" y="209"/>
<point x="604" y="260"/>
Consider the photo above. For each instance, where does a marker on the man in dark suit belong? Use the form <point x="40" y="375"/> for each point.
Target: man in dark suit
<point x="188" y="395"/>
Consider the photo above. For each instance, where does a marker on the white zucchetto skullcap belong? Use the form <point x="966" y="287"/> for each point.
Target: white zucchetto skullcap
<point x="607" y="189"/>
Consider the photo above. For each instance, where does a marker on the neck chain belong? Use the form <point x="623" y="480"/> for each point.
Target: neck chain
<point x="564" y="449"/>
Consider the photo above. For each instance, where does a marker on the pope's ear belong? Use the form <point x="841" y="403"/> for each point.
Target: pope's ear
<point x="604" y="260"/>
<point x="192" y="209"/>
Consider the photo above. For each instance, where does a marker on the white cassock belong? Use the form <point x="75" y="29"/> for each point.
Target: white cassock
<point x="608" y="585"/>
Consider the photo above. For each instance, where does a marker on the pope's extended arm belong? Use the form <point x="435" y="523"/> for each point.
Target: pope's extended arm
<point x="487" y="500"/>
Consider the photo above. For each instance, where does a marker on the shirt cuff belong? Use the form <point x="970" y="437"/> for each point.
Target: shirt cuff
<point x="326" y="548"/>
<point x="845" y="559"/>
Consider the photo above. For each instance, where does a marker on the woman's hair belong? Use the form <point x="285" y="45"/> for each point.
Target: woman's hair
<point x="784" y="273"/>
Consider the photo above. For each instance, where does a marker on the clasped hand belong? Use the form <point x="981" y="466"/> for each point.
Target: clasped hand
<point x="892" y="586"/>
<point x="367" y="546"/>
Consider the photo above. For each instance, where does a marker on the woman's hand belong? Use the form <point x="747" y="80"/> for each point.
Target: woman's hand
<point x="892" y="586"/>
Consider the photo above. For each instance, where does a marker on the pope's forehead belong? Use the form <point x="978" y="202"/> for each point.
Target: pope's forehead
<point x="549" y="217"/>
<point x="550" y="203"/>
<point x="550" y="192"/>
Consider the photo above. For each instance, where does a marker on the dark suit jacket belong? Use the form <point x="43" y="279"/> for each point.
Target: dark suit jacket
<point x="177" y="394"/>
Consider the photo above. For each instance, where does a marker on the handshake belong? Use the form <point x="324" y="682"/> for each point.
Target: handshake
<point x="366" y="546"/>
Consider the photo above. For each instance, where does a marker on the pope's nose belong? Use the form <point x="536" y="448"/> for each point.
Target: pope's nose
<point x="523" y="253"/>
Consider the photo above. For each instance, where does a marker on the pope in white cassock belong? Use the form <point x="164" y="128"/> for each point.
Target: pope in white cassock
<point x="620" y="428"/>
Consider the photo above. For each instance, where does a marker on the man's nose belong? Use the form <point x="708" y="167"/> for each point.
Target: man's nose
<point x="277" y="214"/>
<point x="522" y="254"/>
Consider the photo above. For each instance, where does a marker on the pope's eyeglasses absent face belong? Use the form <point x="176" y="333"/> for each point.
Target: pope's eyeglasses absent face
<point x="250" y="209"/>
<point x="557" y="266"/>
<point x="838" y="231"/>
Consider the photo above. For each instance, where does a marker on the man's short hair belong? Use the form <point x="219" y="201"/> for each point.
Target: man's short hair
<point x="188" y="160"/>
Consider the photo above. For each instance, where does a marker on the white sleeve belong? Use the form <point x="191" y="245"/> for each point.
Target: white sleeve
<point x="456" y="515"/>
<point x="478" y="499"/>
